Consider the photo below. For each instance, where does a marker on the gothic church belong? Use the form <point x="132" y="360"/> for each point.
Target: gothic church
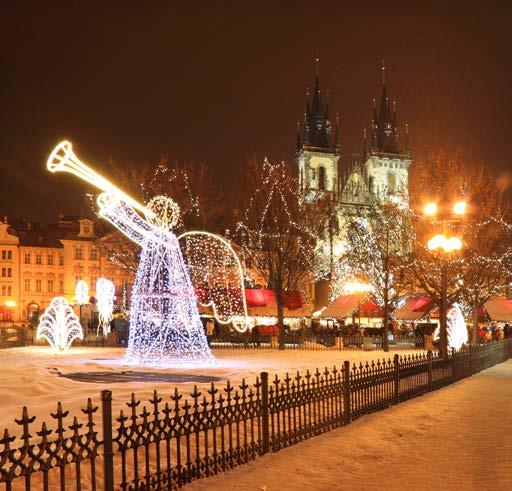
<point x="379" y="173"/>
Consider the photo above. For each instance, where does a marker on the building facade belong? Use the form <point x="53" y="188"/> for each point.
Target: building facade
<point x="42" y="262"/>
<point x="379" y="173"/>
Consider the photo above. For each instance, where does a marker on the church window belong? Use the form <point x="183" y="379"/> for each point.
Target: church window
<point x="321" y="178"/>
<point x="313" y="174"/>
<point x="391" y="182"/>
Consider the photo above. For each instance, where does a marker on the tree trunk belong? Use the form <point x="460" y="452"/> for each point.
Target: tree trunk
<point x="385" y="343"/>
<point x="280" y="321"/>
<point x="474" y="337"/>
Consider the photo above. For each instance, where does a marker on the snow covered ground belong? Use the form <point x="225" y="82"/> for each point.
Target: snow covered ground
<point x="457" y="438"/>
<point x="30" y="376"/>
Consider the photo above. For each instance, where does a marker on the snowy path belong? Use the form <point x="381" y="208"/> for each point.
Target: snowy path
<point x="29" y="376"/>
<point x="459" y="437"/>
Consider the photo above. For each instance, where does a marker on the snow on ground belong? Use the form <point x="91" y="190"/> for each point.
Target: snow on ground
<point x="456" y="438"/>
<point x="29" y="376"/>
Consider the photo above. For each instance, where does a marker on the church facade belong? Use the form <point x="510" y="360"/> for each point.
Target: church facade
<point x="379" y="173"/>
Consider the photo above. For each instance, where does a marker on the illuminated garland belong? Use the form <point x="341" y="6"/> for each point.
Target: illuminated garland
<point x="217" y="274"/>
<point x="59" y="325"/>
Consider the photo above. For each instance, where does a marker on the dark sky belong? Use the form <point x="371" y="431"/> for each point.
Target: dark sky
<point x="216" y="81"/>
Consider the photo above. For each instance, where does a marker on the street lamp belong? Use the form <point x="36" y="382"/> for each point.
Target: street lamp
<point x="81" y="294"/>
<point x="444" y="245"/>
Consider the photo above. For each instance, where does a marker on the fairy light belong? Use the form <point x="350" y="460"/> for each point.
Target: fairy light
<point x="455" y="328"/>
<point x="165" y="327"/>
<point x="105" y="294"/>
<point x="81" y="292"/>
<point x="59" y="325"/>
<point x="216" y="270"/>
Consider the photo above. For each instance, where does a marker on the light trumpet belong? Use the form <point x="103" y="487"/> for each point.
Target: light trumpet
<point x="63" y="159"/>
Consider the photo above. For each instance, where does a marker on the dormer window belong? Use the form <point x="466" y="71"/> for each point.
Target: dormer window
<point x="86" y="228"/>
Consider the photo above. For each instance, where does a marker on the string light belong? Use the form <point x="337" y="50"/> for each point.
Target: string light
<point x="165" y="327"/>
<point x="81" y="292"/>
<point x="59" y="325"/>
<point x="217" y="273"/>
<point x="455" y="327"/>
<point x="105" y="294"/>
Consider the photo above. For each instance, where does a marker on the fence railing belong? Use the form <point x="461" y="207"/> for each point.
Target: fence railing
<point x="168" y="443"/>
<point x="311" y="341"/>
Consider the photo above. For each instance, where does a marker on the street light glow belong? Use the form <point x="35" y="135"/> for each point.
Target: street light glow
<point x="439" y="241"/>
<point x="357" y="287"/>
<point x="430" y="209"/>
<point x="459" y="208"/>
<point x="10" y="303"/>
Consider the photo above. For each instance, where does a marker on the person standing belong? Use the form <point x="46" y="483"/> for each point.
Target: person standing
<point x="210" y="329"/>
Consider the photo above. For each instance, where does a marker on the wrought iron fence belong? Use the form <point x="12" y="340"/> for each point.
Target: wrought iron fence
<point x="168" y="443"/>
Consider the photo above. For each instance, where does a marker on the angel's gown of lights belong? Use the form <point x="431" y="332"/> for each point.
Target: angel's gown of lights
<point x="165" y="327"/>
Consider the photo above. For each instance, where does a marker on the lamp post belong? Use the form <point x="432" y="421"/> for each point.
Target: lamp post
<point x="81" y="294"/>
<point x="445" y="246"/>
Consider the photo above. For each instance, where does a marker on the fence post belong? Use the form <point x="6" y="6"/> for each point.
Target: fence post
<point x="453" y="364"/>
<point x="346" y="392"/>
<point x="264" y="413"/>
<point x="396" y="384"/>
<point x="108" y="454"/>
<point x="429" y="372"/>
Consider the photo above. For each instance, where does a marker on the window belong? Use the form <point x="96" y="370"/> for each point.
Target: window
<point x="4" y="290"/>
<point x="50" y="286"/>
<point x="50" y="259"/>
<point x="61" y="286"/>
<point x="27" y="284"/>
<point x="27" y="258"/>
<point x="39" y="258"/>
<point x="6" y="255"/>
<point x="6" y="272"/>
<point x="86" y="228"/>
<point x="79" y="253"/>
<point x="313" y="174"/>
<point x="77" y="279"/>
<point x="321" y="178"/>
<point x="61" y="259"/>
<point x="391" y="182"/>
<point x="38" y="286"/>
<point x="9" y="291"/>
<point x="94" y="254"/>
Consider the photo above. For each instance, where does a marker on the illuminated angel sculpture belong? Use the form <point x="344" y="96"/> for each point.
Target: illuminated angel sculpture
<point x="59" y="325"/>
<point x="165" y="326"/>
<point x="164" y="320"/>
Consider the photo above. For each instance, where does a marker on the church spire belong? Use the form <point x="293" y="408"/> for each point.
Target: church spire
<point x="317" y="125"/>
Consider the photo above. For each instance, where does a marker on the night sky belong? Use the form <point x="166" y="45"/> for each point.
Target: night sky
<point x="218" y="81"/>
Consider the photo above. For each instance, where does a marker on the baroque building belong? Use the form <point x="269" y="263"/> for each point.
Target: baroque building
<point x="380" y="172"/>
<point x="39" y="262"/>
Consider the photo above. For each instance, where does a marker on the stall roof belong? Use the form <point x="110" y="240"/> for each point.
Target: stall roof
<point x="414" y="309"/>
<point x="499" y="309"/>
<point x="263" y="303"/>
<point x="342" y="307"/>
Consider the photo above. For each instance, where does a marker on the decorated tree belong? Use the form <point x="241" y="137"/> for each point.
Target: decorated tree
<point x="189" y="184"/>
<point x="276" y="230"/>
<point x="481" y="270"/>
<point x="378" y="253"/>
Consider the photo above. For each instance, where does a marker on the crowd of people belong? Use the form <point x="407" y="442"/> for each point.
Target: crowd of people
<point x="494" y="332"/>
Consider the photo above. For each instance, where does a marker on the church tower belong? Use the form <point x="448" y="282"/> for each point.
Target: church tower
<point x="386" y="163"/>
<point x="318" y="149"/>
